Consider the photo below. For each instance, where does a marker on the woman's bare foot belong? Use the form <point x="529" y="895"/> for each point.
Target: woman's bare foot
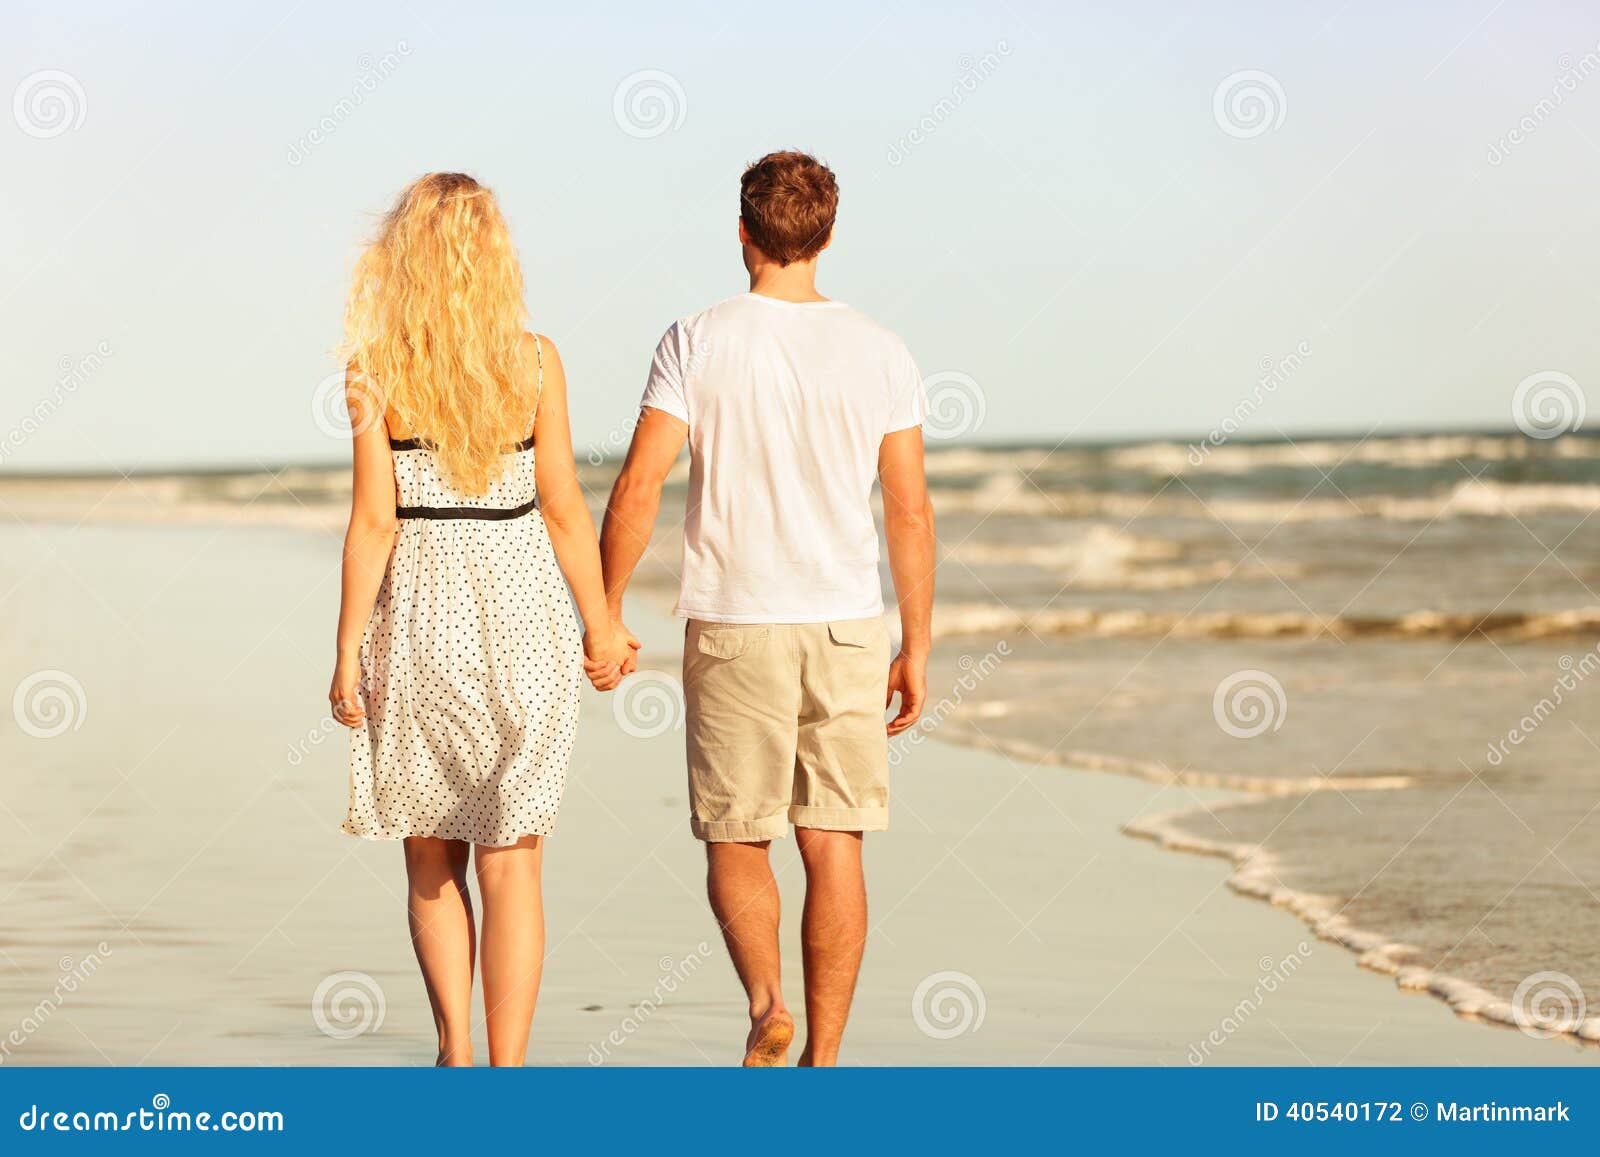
<point x="768" y="1043"/>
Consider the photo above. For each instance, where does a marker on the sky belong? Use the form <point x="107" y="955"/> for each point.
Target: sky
<point x="1059" y="206"/>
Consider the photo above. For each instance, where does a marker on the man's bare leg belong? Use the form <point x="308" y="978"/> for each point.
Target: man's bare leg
<point x="833" y="936"/>
<point x="744" y="896"/>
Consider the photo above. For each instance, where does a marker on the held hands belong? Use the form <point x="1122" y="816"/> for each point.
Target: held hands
<point x="608" y="657"/>
<point x="908" y="674"/>
<point x="345" y="693"/>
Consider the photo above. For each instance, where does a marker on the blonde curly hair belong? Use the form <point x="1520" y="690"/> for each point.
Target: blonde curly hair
<point x="435" y="322"/>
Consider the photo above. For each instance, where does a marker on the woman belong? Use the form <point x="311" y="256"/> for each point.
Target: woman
<point x="459" y="662"/>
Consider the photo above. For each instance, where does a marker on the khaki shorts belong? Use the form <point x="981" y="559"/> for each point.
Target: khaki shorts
<point x="785" y="725"/>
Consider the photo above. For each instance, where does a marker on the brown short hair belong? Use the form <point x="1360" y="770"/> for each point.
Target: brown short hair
<point x="788" y="201"/>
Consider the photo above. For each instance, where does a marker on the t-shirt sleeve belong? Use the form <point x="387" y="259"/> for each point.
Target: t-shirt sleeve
<point x="663" y="390"/>
<point x="909" y="405"/>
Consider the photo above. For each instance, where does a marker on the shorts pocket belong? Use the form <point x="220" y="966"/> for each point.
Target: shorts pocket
<point x="729" y="642"/>
<point x="855" y="632"/>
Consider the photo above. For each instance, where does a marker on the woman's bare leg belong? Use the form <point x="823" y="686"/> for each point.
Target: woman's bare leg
<point x="439" y="910"/>
<point x="513" y="944"/>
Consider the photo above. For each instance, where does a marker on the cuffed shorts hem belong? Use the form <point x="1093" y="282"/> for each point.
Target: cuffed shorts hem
<point x="840" y="819"/>
<point x="773" y="827"/>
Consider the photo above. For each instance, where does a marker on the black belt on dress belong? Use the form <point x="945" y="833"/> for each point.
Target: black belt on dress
<point x="491" y="513"/>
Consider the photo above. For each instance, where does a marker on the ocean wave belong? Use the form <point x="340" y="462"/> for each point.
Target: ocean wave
<point x="986" y="619"/>
<point x="1419" y="452"/>
<point x="1173" y="458"/>
<point x="1103" y="558"/>
<point x="1014" y="494"/>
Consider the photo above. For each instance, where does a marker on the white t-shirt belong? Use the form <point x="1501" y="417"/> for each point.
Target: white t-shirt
<point x="786" y="403"/>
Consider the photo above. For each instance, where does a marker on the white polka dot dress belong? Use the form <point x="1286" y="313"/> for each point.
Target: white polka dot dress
<point x="471" y="666"/>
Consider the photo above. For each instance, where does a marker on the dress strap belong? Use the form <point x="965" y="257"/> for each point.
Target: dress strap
<point x="538" y="389"/>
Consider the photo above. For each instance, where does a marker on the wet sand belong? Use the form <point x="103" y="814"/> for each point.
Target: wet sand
<point x="186" y="818"/>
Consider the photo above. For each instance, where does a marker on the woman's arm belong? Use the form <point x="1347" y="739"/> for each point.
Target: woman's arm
<point x="566" y="517"/>
<point x="367" y="542"/>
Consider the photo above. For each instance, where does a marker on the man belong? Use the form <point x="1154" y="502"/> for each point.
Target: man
<point x="790" y="403"/>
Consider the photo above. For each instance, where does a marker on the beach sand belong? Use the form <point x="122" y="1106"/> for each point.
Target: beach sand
<point x="181" y="834"/>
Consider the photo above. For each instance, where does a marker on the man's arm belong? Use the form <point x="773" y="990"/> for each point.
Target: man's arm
<point x="635" y="499"/>
<point x="908" y="526"/>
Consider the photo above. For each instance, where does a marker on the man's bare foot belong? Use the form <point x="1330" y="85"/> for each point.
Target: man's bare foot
<point x="768" y="1044"/>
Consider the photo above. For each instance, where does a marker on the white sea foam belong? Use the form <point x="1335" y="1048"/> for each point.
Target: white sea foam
<point x="1012" y="494"/>
<point x="1256" y="875"/>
